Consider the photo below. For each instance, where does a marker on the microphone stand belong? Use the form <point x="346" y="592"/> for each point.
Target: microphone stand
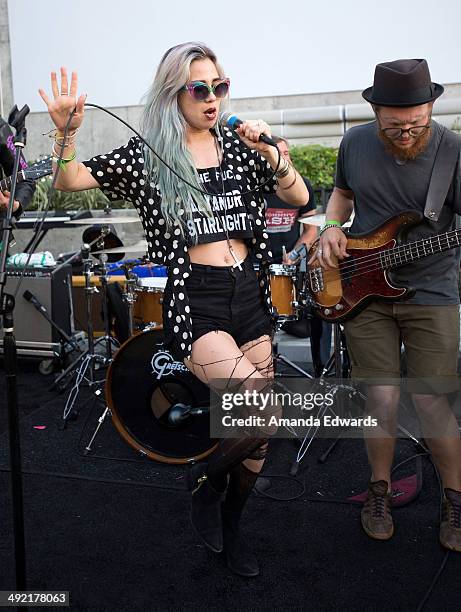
<point x="17" y="120"/>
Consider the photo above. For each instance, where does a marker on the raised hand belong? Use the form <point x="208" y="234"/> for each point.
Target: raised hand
<point x="64" y="101"/>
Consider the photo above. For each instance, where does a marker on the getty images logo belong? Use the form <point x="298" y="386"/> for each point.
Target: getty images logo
<point x="163" y="364"/>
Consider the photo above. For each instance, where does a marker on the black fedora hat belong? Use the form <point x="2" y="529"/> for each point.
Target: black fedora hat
<point x="404" y="82"/>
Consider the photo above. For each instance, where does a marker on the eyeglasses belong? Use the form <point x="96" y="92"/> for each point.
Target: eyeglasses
<point x="200" y="90"/>
<point x="395" y="133"/>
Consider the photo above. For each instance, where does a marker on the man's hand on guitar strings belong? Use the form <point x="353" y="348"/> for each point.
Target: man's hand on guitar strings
<point x="332" y="246"/>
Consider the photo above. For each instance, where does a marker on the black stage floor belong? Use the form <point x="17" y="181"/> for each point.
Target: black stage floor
<point x="112" y="527"/>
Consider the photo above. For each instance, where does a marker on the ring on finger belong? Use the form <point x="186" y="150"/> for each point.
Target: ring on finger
<point x="64" y="93"/>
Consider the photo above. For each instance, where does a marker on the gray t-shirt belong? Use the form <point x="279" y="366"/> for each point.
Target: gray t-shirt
<point x="384" y="188"/>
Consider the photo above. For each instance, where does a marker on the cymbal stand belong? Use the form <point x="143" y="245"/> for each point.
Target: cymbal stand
<point x="129" y="297"/>
<point x="337" y="359"/>
<point x="84" y="365"/>
<point x="107" y="338"/>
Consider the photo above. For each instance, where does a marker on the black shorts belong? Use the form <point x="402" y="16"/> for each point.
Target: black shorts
<point x="227" y="299"/>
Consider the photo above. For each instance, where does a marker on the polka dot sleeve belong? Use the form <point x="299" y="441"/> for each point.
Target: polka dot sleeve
<point x="264" y="173"/>
<point x="118" y="172"/>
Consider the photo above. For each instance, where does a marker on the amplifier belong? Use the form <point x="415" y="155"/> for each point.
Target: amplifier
<point x="34" y="334"/>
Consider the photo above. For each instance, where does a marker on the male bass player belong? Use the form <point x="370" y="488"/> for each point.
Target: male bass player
<point x="383" y="169"/>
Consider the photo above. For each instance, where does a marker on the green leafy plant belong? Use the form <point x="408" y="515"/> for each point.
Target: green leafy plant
<point x="456" y="127"/>
<point x="317" y="163"/>
<point x="91" y="199"/>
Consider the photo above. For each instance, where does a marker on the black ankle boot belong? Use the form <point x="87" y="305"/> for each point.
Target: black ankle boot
<point x="206" y="508"/>
<point x="239" y="558"/>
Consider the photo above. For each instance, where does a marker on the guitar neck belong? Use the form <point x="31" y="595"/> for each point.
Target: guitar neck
<point x="411" y="251"/>
<point x="5" y="184"/>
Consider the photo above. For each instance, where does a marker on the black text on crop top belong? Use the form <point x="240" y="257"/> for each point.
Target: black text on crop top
<point x="228" y="212"/>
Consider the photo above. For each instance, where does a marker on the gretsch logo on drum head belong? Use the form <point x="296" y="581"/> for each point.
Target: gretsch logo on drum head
<point x="163" y="364"/>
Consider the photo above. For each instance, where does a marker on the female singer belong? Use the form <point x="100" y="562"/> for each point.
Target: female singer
<point x="216" y="313"/>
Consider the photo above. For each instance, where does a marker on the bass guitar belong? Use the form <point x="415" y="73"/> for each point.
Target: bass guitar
<point x="340" y="293"/>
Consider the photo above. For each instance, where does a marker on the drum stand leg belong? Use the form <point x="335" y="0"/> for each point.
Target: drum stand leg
<point x="107" y="338"/>
<point x="278" y="357"/>
<point x="101" y="420"/>
<point x="130" y="298"/>
<point x="338" y="360"/>
<point x="281" y="358"/>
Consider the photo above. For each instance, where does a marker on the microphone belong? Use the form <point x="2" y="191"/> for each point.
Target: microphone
<point x="30" y="297"/>
<point x="232" y="122"/>
<point x="178" y="413"/>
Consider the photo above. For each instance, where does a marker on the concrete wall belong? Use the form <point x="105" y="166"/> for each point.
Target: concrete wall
<point x="6" y="80"/>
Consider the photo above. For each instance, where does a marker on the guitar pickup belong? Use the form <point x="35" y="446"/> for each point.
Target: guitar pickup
<point x="316" y="279"/>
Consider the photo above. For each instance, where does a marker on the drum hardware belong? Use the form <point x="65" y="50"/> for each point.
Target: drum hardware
<point x="129" y="297"/>
<point x="143" y="297"/>
<point x="139" y="247"/>
<point x="339" y="366"/>
<point x="295" y="303"/>
<point x="157" y="405"/>
<point x="109" y="242"/>
<point x="83" y="368"/>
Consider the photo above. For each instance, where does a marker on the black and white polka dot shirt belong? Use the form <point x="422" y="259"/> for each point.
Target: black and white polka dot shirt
<point x="121" y="174"/>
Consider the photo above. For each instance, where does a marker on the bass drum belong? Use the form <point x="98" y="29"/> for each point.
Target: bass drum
<point x="143" y="383"/>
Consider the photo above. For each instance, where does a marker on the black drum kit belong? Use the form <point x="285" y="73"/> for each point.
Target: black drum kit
<point x="157" y="405"/>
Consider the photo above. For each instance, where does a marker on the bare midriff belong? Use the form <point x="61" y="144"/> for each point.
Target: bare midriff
<point x="217" y="253"/>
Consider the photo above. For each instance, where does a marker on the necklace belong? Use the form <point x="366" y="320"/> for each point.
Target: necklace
<point x="238" y="262"/>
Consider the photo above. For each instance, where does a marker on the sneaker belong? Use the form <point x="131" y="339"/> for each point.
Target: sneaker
<point x="450" y="527"/>
<point x="376" y="513"/>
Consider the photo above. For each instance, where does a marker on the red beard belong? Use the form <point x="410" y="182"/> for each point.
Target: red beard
<point x="406" y="153"/>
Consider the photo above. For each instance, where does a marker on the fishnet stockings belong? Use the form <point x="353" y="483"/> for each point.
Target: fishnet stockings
<point x="217" y="361"/>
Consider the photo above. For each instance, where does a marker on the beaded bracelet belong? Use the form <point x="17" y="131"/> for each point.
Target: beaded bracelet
<point x="55" y="133"/>
<point x="331" y="223"/>
<point x="63" y="161"/>
<point x="60" y="140"/>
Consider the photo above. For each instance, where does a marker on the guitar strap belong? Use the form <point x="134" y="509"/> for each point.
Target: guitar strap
<point x="442" y="173"/>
